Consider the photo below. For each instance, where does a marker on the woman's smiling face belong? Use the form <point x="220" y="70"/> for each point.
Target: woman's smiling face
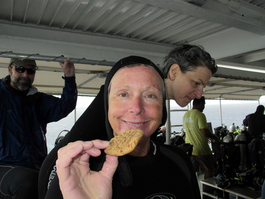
<point x="135" y="100"/>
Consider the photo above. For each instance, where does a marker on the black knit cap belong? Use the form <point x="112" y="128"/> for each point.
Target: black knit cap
<point x="123" y="169"/>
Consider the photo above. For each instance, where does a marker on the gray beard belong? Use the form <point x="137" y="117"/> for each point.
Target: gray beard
<point x="21" y="86"/>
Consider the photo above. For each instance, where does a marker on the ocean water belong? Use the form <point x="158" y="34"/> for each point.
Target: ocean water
<point x="229" y="113"/>
<point x="232" y="112"/>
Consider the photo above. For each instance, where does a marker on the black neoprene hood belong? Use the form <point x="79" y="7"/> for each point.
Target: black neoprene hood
<point x="120" y="64"/>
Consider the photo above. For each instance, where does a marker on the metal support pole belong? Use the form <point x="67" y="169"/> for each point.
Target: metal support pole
<point x="220" y="103"/>
<point x="75" y="115"/>
<point x="60" y="58"/>
<point x="168" y="123"/>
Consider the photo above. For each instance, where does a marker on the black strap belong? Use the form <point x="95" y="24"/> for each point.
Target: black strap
<point x="123" y="169"/>
<point x="125" y="172"/>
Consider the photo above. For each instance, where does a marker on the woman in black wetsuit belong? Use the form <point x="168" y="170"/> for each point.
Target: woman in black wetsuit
<point x="179" y="71"/>
<point x="134" y="97"/>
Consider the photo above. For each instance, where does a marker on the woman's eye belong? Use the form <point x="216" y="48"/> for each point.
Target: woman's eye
<point x="150" y="96"/>
<point x="123" y="94"/>
<point x="196" y="84"/>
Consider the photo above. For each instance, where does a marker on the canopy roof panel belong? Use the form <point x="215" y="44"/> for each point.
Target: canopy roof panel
<point x="97" y="33"/>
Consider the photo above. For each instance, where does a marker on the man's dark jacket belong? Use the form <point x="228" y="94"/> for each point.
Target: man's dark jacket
<point x="24" y="118"/>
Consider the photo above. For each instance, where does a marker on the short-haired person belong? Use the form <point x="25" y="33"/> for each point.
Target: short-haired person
<point x="256" y="122"/>
<point x="187" y="70"/>
<point x="134" y="97"/>
<point x="24" y="115"/>
<point x="198" y="134"/>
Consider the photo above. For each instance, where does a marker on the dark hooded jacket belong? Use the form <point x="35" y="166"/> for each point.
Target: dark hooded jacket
<point x="23" y="120"/>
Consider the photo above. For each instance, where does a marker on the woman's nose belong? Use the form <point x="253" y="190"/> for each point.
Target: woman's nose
<point x="198" y="93"/>
<point x="137" y="106"/>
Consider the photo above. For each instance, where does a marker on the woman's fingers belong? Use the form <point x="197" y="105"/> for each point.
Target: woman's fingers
<point x="74" y="172"/>
<point x="72" y="150"/>
<point x="110" y="166"/>
<point x="75" y="149"/>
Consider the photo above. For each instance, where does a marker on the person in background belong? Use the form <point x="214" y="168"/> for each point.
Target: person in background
<point x="24" y="115"/>
<point x="256" y="122"/>
<point x="134" y="97"/>
<point x="197" y="134"/>
<point x="187" y="70"/>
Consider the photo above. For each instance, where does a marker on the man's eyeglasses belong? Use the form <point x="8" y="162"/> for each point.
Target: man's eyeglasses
<point x="21" y="69"/>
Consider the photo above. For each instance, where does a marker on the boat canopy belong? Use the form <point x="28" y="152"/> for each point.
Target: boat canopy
<point x="97" y="33"/>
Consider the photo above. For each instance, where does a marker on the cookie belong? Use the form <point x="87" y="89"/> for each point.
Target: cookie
<point x="124" y="143"/>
